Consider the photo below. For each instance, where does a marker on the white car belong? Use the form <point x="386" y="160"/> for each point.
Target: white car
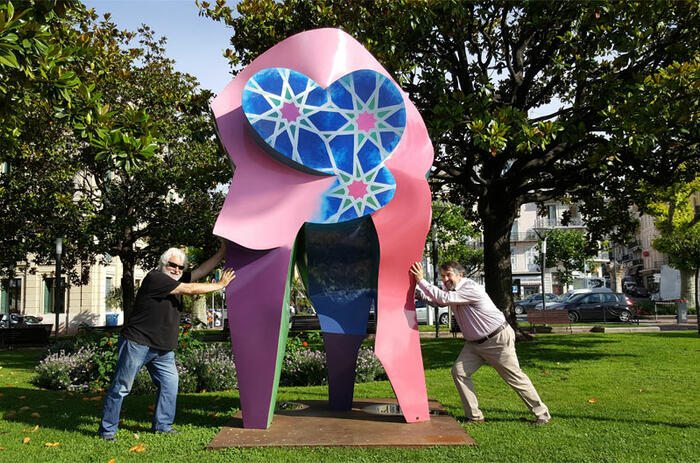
<point x="422" y="313"/>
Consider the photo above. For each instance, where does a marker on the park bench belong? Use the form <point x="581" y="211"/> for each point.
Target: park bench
<point x="548" y="317"/>
<point x="26" y="335"/>
<point x="305" y="323"/>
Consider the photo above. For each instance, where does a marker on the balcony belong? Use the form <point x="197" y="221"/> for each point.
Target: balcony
<point x="551" y="222"/>
<point x="523" y="236"/>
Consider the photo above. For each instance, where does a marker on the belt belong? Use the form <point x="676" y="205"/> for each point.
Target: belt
<point x="490" y="335"/>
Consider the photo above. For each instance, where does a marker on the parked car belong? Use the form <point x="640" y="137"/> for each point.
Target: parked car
<point x="422" y="313"/>
<point x="33" y="320"/>
<point x="637" y="291"/>
<point x="531" y="301"/>
<point x="597" y="306"/>
<point x="9" y="320"/>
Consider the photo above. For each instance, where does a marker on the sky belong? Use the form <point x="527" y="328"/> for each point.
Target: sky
<point x="194" y="42"/>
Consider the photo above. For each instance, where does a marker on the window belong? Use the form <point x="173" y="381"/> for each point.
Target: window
<point x="50" y="294"/>
<point x="591" y="299"/>
<point x="108" y="287"/>
<point x="530" y="256"/>
<point x="552" y="216"/>
<point x="10" y="295"/>
<point x="609" y="297"/>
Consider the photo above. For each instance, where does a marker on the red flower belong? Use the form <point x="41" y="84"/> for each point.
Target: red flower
<point x="305" y="344"/>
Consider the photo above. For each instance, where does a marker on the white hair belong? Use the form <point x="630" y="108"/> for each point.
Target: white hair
<point x="165" y="257"/>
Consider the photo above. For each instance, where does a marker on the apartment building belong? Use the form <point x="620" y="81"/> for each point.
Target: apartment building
<point x="32" y="292"/>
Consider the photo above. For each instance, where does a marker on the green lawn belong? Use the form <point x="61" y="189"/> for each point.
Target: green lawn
<point x="622" y="397"/>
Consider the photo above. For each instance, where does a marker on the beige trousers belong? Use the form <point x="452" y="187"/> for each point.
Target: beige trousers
<point x="499" y="352"/>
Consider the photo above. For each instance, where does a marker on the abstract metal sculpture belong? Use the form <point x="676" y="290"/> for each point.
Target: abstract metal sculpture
<point x="330" y="173"/>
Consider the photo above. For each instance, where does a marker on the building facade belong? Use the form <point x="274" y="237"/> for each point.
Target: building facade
<point x="32" y="290"/>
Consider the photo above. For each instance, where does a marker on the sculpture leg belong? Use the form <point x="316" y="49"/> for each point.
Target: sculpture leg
<point x="258" y="328"/>
<point x="401" y="228"/>
<point x="342" y="279"/>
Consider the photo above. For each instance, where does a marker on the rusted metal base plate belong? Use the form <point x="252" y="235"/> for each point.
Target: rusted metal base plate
<point x="370" y="423"/>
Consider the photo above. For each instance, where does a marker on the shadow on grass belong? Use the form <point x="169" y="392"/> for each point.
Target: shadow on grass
<point x="441" y="353"/>
<point x="565" y="416"/>
<point x="81" y="413"/>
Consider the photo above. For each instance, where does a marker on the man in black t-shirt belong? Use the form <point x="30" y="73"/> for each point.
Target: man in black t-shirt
<point x="149" y="337"/>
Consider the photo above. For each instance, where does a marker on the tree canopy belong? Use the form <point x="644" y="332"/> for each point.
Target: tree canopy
<point x="568" y="251"/>
<point x="120" y="180"/>
<point x="525" y="101"/>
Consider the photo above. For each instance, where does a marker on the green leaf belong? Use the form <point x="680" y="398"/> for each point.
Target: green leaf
<point x="8" y="58"/>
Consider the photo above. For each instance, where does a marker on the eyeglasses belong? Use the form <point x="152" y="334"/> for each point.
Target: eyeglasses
<point x="174" y="265"/>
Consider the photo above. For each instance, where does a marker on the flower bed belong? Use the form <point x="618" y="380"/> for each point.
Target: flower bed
<point x="87" y="364"/>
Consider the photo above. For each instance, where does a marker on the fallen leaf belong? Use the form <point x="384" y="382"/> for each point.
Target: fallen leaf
<point x="592" y="401"/>
<point x="641" y="390"/>
<point x="25" y="440"/>
<point x="546" y="372"/>
<point x="136" y="436"/>
<point x="138" y="448"/>
<point x="35" y="429"/>
<point x="113" y="460"/>
<point x="49" y="444"/>
<point x="214" y="415"/>
<point x="202" y="391"/>
<point x="25" y="408"/>
<point x="218" y="398"/>
<point x="613" y="360"/>
<point x="2" y="448"/>
<point x="22" y="397"/>
<point x="36" y="415"/>
<point x="151" y="407"/>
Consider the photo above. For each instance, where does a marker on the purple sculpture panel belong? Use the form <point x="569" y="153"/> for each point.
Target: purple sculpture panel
<point x="331" y="160"/>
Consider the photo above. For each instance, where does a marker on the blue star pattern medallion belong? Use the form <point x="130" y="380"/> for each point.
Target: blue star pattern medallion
<point x="347" y="130"/>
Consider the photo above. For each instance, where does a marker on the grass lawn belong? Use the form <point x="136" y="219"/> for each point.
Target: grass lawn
<point x="614" y="397"/>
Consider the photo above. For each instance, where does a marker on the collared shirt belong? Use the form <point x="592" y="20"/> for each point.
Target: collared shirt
<point x="476" y="314"/>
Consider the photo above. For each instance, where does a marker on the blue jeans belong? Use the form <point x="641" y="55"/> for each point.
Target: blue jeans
<point x="160" y="365"/>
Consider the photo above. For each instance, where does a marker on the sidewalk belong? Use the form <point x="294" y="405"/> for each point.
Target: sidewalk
<point x="646" y="325"/>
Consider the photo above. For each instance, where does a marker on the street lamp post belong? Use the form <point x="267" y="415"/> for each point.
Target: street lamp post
<point x="58" y="294"/>
<point x="542" y="235"/>
<point x="434" y="258"/>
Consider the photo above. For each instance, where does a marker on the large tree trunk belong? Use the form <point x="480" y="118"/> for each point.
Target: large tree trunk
<point x="128" y="290"/>
<point x="497" y="215"/>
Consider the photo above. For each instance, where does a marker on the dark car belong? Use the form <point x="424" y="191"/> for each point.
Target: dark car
<point x="9" y="320"/>
<point x="597" y="307"/>
<point x="531" y="301"/>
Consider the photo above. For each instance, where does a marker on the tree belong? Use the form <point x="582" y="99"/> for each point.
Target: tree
<point x="568" y="251"/>
<point x="454" y="233"/>
<point x="96" y="184"/>
<point x="679" y="225"/>
<point x="478" y="72"/>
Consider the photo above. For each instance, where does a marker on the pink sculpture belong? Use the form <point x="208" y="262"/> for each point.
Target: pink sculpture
<point x="281" y="204"/>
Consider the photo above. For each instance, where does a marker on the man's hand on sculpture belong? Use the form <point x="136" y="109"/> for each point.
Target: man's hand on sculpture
<point x="227" y="277"/>
<point x="417" y="271"/>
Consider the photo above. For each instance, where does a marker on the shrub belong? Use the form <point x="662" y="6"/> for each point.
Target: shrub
<point x="304" y="367"/>
<point x="66" y="371"/>
<point x="213" y="367"/>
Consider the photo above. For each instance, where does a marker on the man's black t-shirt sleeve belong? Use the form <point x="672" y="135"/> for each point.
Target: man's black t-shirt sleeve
<point x="160" y="284"/>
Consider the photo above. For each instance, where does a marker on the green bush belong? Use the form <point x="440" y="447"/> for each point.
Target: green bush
<point x="88" y="364"/>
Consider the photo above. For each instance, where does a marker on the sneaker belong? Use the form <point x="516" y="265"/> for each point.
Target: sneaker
<point x="475" y="420"/>
<point x="540" y="421"/>
<point x="172" y="431"/>
<point x="108" y="438"/>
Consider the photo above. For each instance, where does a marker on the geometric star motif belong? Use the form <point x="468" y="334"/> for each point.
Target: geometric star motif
<point x="347" y="130"/>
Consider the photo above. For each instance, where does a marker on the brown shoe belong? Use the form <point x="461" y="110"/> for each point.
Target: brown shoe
<point x="475" y="420"/>
<point x="540" y="421"/>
